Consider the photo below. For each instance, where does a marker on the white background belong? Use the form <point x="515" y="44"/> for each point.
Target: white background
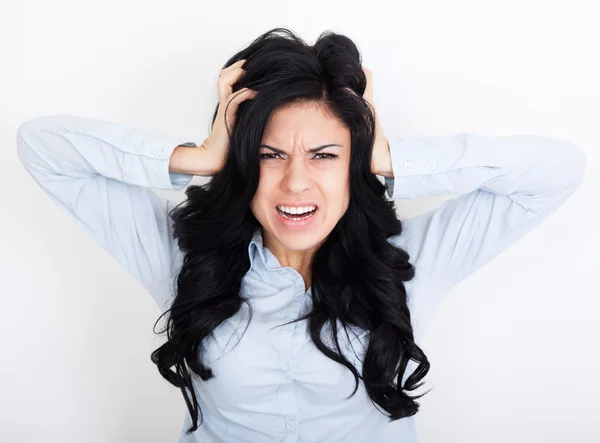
<point x="514" y="348"/>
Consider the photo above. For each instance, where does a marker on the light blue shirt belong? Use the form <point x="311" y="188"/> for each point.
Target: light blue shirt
<point x="274" y="385"/>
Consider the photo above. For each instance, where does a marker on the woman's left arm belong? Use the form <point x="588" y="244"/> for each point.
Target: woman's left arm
<point x="506" y="185"/>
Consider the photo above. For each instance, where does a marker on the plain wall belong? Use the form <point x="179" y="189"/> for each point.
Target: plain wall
<point x="513" y="349"/>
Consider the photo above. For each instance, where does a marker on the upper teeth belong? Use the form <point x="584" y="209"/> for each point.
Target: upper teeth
<point x="298" y="210"/>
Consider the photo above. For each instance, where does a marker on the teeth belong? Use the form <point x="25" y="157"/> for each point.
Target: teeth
<point x="298" y="210"/>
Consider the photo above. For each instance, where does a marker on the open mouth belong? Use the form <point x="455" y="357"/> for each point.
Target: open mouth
<point x="296" y="217"/>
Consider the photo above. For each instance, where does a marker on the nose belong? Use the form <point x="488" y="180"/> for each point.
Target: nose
<point x="297" y="177"/>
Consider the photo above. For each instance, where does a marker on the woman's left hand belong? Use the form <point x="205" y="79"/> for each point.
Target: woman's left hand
<point x="381" y="162"/>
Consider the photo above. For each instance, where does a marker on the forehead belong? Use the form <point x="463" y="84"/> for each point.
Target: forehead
<point x="304" y="123"/>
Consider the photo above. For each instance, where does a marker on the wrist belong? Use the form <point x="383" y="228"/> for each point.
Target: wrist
<point x="383" y="164"/>
<point x="193" y="161"/>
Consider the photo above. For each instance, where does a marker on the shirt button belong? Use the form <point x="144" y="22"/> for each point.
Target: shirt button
<point x="287" y="375"/>
<point x="157" y="150"/>
<point x="137" y="147"/>
<point x="291" y="425"/>
<point x="431" y="165"/>
<point x="408" y="166"/>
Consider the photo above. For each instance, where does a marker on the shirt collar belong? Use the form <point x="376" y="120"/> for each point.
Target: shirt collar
<point x="257" y="251"/>
<point x="262" y="258"/>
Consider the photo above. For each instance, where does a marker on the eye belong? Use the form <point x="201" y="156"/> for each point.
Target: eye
<point x="328" y="156"/>
<point x="267" y="156"/>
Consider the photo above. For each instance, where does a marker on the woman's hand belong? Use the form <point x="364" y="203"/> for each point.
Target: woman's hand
<point x="381" y="161"/>
<point x="217" y="142"/>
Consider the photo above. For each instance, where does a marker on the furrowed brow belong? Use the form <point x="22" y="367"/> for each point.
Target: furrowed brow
<point x="279" y="151"/>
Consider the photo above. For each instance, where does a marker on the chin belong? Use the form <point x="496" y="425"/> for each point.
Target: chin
<point x="298" y="240"/>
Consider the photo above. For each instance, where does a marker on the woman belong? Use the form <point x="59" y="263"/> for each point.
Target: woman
<point x="295" y="297"/>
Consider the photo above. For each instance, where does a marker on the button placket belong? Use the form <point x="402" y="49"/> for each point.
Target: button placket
<point x="286" y="392"/>
<point x="290" y="314"/>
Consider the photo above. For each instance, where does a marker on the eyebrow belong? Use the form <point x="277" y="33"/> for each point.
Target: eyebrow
<point x="279" y="151"/>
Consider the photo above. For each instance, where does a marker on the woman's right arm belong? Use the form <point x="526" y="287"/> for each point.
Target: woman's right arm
<point x="101" y="173"/>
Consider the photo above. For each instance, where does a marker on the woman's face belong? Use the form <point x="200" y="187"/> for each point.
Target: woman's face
<point x="292" y="176"/>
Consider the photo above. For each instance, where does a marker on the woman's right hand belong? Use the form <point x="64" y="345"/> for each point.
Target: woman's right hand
<point x="217" y="142"/>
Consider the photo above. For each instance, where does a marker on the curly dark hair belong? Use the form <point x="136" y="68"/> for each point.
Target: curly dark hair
<point x="357" y="274"/>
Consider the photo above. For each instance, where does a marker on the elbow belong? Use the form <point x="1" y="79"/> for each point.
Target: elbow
<point x="30" y="140"/>
<point x="30" y="134"/>
<point x="24" y="132"/>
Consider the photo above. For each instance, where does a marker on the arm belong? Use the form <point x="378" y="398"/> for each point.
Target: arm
<point x="192" y="160"/>
<point x="506" y="185"/>
<point x="101" y="173"/>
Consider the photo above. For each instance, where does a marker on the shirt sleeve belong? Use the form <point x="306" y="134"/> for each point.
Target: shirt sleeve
<point x="101" y="173"/>
<point x="506" y="185"/>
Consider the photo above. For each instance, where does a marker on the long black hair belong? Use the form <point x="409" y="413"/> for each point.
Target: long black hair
<point x="356" y="275"/>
